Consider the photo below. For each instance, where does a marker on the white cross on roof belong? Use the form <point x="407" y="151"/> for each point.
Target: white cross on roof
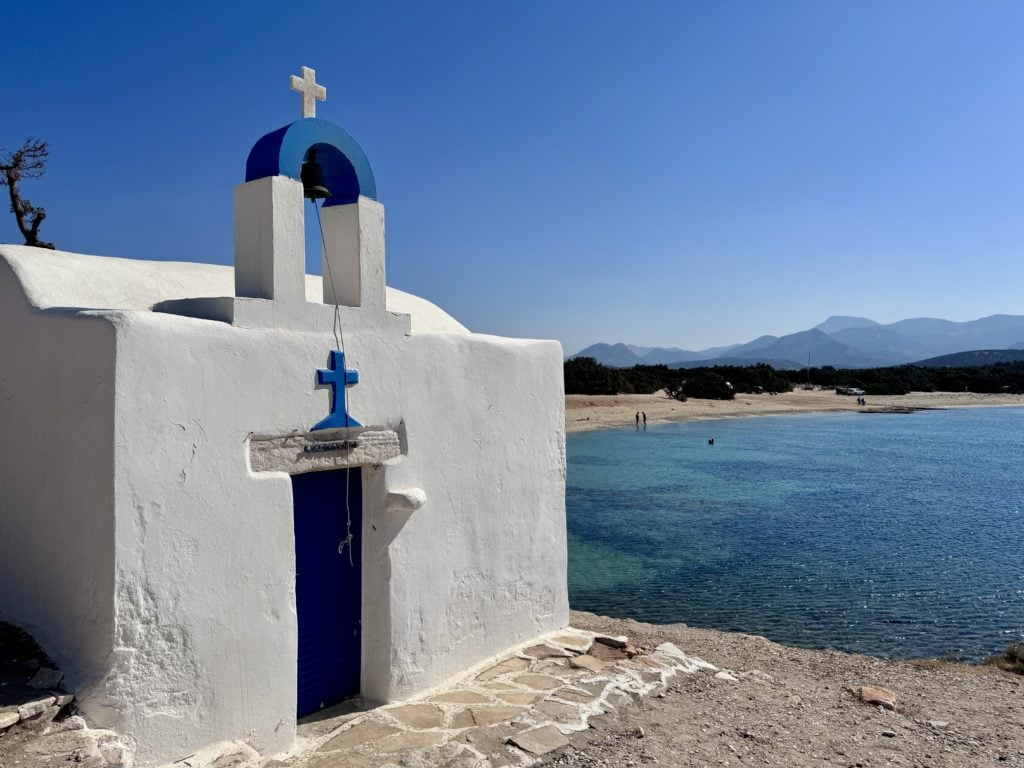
<point x="311" y="92"/>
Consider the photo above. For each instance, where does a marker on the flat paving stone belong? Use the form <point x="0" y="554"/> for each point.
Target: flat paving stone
<point x="587" y="662"/>
<point x="552" y="667"/>
<point x="461" y="697"/>
<point x="596" y="688"/>
<point x="539" y="682"/>
<point x="350" y="760"/>
<point x="574" y="695"/>
<point x="409" y="740"/>
<point x="540" y="741"/>
<point x="418" y="715"/>
<point x="462" y="719"/>
<point x="360" y="733"/>
<point x="575" y="643"/>
<point x="515" y="664"/>
<point x="522" y="698"/>
<point x="545" y="651"/>
<point x="612" y="641"/>
<point x="559" y="712"/>
<point x="491" y="742"/>
<point x="493" y="715"/>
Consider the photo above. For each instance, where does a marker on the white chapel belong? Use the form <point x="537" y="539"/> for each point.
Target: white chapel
<point x="230" y="497"/>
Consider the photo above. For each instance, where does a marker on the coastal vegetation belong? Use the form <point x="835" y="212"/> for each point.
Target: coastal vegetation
<point x="1010" y="660"/>
<point x="585" y="376"/>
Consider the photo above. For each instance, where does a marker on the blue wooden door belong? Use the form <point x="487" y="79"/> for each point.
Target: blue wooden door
<point x="327" y="585"/>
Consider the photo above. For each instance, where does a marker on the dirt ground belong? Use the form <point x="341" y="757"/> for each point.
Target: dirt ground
<point x="791" y="707"/>
<point x="586" y="412"/>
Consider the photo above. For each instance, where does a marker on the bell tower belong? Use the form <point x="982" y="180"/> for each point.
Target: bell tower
<point x="313" y="159"/>
<point x="316" y="159"/>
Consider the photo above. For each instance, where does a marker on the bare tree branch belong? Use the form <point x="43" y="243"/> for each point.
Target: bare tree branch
<point x="28" y="162"/>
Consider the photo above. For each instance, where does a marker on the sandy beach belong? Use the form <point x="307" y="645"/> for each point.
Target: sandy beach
<point x="586" y="412"/>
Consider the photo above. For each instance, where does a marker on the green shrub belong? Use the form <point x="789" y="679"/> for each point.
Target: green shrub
<point x="1010" y="660"/>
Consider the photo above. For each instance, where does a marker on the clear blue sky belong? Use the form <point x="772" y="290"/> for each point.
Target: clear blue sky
<point x="662" y="173"/>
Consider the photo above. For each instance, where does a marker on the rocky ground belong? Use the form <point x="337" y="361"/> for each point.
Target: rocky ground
<point x="37" y="727"/>
<point x="793" y="707"/>
<point x="636" y="695"/>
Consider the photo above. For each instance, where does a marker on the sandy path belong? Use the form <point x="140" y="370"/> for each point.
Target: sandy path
<point x="586" y="412"/>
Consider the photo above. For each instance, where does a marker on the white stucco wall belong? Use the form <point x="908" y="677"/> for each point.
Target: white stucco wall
<point x="198" y="598"/>
<point x="56" y="480"/>
<point x="205" y="550"/>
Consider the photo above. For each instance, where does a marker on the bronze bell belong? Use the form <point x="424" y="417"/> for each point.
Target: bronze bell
<point x="312" y="176"/>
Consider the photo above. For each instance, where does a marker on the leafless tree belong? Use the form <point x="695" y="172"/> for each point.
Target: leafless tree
<point x="29" y="162"/>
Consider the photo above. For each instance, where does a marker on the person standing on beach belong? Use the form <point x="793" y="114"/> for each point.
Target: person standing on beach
<point x="638" y="419"/>
<point x="644" y="415"/>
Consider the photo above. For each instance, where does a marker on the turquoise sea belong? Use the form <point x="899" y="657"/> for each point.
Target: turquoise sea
<point x="897" y="535"/>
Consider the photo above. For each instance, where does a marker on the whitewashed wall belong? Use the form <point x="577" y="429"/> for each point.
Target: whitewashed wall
<point x="56" y="480"/>
<point x="197" y="604"/>
<point x="205" y="551"/>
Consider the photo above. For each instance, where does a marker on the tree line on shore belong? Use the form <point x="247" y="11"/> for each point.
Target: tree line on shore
<point x="586" y="376"/>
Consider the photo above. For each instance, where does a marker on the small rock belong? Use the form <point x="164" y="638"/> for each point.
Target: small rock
<point x="116" y="755"/>
<point x="33" y="708"/>
<point x="45" y="678"/>
<point x="758" y="676"/>
<point x="63" y="699"/>
<point x="871" y="694"/>
<point x="726" y="676"/>
<point x="47" y="715"/>
<point x="638" y="732"/>
<point x="73" y="723"/>
<point x="937" y="724"/>
<point x="889" y="734"/>
<point x="8" y="717"/>
<point x="619" y="641"/>
<point x="574" y="643"/>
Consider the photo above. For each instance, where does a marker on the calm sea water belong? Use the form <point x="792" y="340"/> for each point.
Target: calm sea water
<point x="889" y="534"/>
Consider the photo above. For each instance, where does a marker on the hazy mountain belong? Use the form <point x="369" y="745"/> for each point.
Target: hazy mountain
<point x="719" y="351"/>
<point x="821" y="348"/>
<point x="975" y="357"/>
<point x="616" y="355"/>
<point x="881" y="344"/>
<point x="843" y="322"/>
<point x="638" y="350"/>
<point x="841" y="341"/>
<point x="790" y="365"/>
<point x="666" y="355"/>
<point x="627" y="355"/>
<point x="943" y="337"/>
<point x="751" y="348"/>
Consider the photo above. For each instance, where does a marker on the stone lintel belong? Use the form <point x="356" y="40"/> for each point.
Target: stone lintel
<point x="325" y="449"/>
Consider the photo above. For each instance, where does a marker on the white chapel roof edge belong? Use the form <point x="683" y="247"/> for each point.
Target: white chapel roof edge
<point x="51" y="278"/>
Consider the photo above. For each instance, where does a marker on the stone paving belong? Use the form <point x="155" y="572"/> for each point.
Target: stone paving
<point x="511" y="713"/>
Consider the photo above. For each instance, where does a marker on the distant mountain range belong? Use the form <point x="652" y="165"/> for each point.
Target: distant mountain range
<point x="840" y="341"/>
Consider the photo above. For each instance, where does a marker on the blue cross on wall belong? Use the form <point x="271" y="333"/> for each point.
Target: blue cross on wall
<point x="338" y="378"/>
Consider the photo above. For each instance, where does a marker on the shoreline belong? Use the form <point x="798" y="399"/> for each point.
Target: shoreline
<point x="584" y="413"/>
